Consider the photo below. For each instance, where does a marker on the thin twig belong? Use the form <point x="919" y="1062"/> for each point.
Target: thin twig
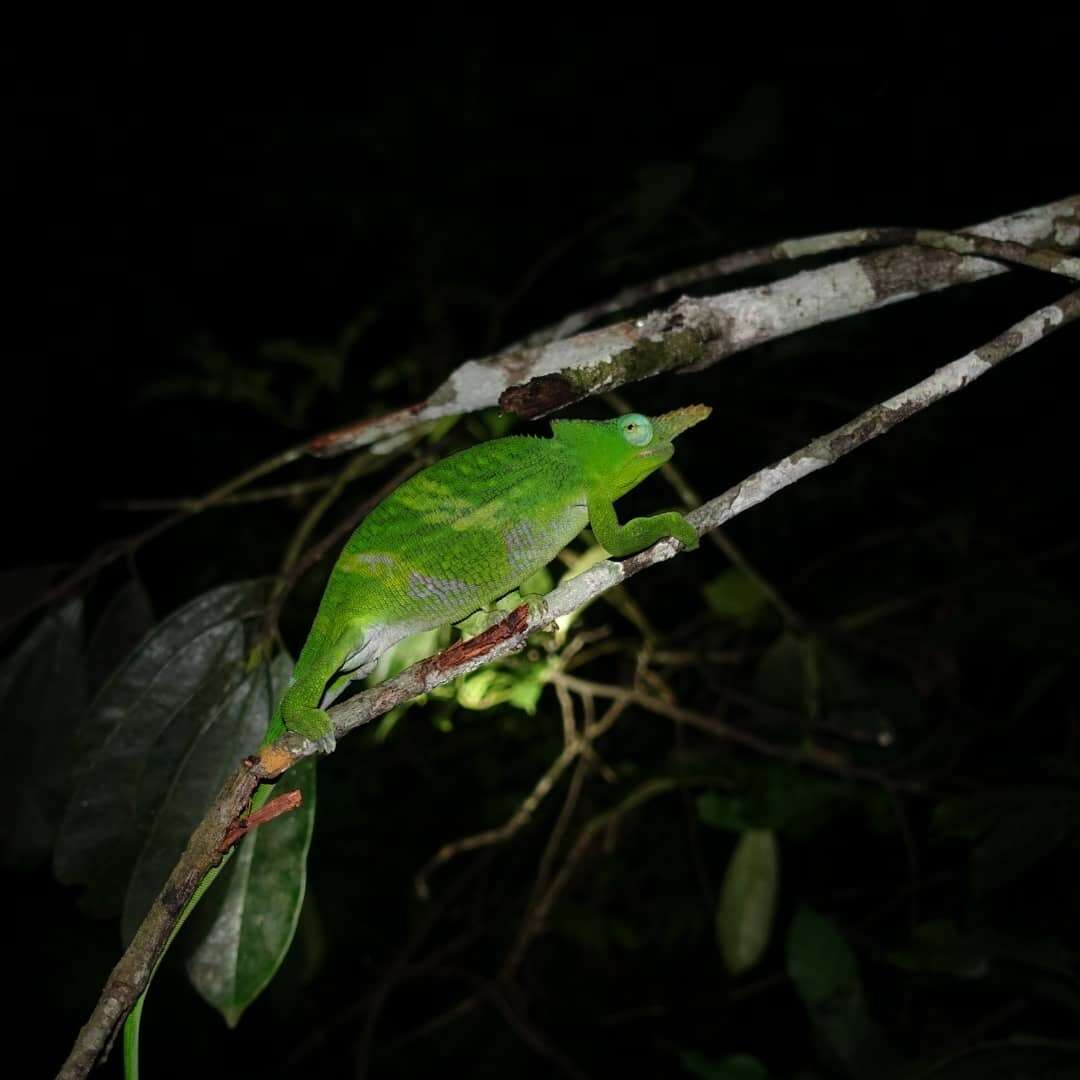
<point x="562" y="823"/>
<point x="574" y="746"/>
<point x="191" y="503"/>
<point x="537" y="915"/>
<point x="520" y="817"/>
<point x="109" y="553"/>
<point x="815" y="757"/>
<point x="533" y="1037"/>
<point x="353" y="469"/>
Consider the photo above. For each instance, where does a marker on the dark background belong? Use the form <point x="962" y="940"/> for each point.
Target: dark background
<point x="181" y="216"/>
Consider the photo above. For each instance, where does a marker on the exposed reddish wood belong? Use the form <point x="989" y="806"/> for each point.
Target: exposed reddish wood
<point x="278" y="805"/>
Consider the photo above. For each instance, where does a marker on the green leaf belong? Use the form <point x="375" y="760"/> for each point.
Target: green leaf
<point x="823" y="967"/>
<point x="538" y="583"/>
<point x="261" y="895"/>
<point x="748" y="900"/>
<point x="520" y="686"/>
<point x="778" y="797"/>
<point x="232" y="727"/>
<point x="737" y="596"/>
<point x="733" y="1067"/>
<point x="722" y="810"/>
<point x="42" y="700"/>
<point x="139" y="730"/>
<point x="820" y="962"/>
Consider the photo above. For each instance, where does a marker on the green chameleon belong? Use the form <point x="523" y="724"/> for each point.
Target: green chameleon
<point x="454" y="538"/>
<point x="467" y="531"/>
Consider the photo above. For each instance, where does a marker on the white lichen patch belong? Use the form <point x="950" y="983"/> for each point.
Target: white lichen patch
<point x="475" y="386"/>
<point x="1036" y="326"/>
<point x="758" y="488"/>
<point x="803" y="300"/>
<point x="1029" y="226"/>
<point x="392" y="443"/>
<point x="665" y="549"/>
<point x="944" y="381"/>
<point x="1067" y="235"/>
<point x="573" y="593"/>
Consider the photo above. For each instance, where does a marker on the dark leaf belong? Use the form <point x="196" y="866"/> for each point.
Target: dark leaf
<point x="139" y="730"/>
<point x="824" y="969"/>
<point x="1016" y="1059"/>
<point x="127" y="619"/>
<point x="20" y="586"/>
<point x="230" y="728"/>
<point x="736" y="596"/>
<point x="262" y="895"/>
<point x="1036" y="965"/>
<point x="42" y="700"/>
<point x="1013" y="828"/>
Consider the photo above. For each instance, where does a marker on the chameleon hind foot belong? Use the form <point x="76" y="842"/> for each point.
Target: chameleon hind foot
<point x="313" y="724"/>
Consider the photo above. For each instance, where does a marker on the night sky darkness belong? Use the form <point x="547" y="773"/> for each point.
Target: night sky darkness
<point x="195" y="232"/>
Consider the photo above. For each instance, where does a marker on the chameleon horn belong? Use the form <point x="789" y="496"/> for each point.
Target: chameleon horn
<point x="670" y="424"/>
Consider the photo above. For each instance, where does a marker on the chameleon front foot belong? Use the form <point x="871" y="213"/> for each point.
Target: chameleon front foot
<point x="313" y="724"/>
<point x="683" y="531"/>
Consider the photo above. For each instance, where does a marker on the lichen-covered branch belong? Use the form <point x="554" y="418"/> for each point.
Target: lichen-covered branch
<point x="692" y="333"/>
<point x="789" y="250"/>
<point x="131" y="974"/>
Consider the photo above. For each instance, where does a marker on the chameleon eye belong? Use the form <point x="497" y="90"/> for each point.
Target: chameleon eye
<point x="636" y="429"/>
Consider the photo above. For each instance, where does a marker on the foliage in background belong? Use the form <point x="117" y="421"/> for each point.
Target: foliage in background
<point x="889" y="892"/>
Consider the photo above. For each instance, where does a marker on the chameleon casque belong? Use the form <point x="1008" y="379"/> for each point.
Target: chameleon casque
<point x="466" y="531"/>
<point x="451" y="540"/>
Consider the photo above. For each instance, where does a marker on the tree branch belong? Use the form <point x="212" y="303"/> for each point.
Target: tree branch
<point x="130" y="976"/>
<point x="789" y="250"/>
<point x="692" y="333"/>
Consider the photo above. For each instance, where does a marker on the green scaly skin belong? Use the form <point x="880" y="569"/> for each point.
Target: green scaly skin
<point x="452" y="540"/>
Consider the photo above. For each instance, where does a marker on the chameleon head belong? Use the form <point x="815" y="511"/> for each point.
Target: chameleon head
<point x="627" y="449"/>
